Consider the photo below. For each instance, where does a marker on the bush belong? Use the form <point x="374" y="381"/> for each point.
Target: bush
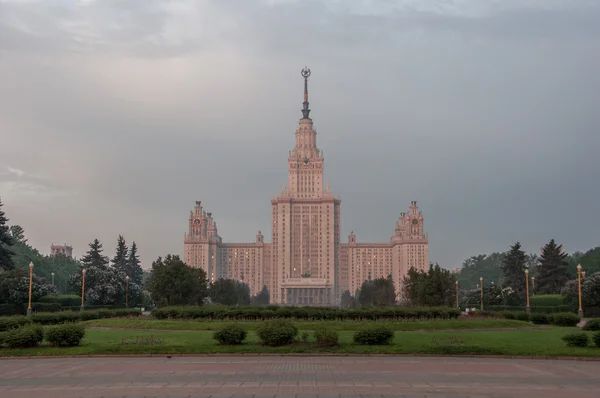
<point x="596" y="339"/>
<point x="592" y="325"/>
<point x="13" y="322"/>
<point x="27" y="336"/>
<point x="65" y="335"/>
<point x="548" y="300"/>
<point x="374" y="335"/>
<point x="565" y="319"/>
<point x="230" y="335"/>
<point x="277" y="332"/>
<point x="46" y="307"/>
<point x="518" y="315"/>
<point x="326" y="337"/>
<point x="540" y="319"/>
<point x="11" y="309"/>
<point x="64" y="300"/>
<point x="578" y="339"/>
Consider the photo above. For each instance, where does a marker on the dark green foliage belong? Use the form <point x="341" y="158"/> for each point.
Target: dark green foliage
<point x="306" y="313"/>
<point x="304" y="336"/>
<point x="326" y="337"/>
<point x="65" y="300"/>
<point x="596" y="339"/>
<point x="518" y="315"/>
<point x="24" y="337"/>
<point x="374" y="335"/>
<point x="377" y="293"/>
<point x="592" y="325"/>
<point x="13" y="322"/>
<point x="553" y="269"/>
<point x="17" y="233"/>
<point x="230" y="335"/>
<point x="262" y="298"/>
<point x="229" y="292"/>
<point x="120" y="259"/>
<point x="436" y="287"/>
<point x="347" y="301"/>
<point x="134" y="269"/>
<point x="541" y="319"/>
<point x="94" y="256"/>
<point x="547" y="300"/>
<point x="277" y="332"/>
<point x="565" y="319"/>
<point x="65" y="335"/>
<point x="513" y="269"/>
<point x="590" y="292"/>
<point x="14" y="287"/>
<point x="577" y="339"/>
<point x="173" y="282"/>
<point x="6" y="241"/>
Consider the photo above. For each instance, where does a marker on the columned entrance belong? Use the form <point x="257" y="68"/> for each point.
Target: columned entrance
<point x="307" y="292"/>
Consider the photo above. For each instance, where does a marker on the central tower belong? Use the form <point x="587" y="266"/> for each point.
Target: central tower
<point x="306" y="224"/>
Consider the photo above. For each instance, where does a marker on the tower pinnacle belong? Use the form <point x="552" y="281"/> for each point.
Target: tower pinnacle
<point x="305" y="111"/>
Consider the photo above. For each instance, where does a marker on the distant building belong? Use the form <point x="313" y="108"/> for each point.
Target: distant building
<point x="306" y="263"/>
<point x="65" y="250"/>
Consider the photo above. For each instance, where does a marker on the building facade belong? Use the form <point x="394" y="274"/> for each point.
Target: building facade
<point x="306" y="263"/>
<point x="65" y="250"/>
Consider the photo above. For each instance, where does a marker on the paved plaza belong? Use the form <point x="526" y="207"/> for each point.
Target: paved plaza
<point x="297" y="376"/>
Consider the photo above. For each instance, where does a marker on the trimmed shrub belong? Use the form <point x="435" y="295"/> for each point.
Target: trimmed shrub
<point x="45" y="307"/>
<point x="27" y="336"/>
<point x="13" y="322"/>
<point x="11" y="309"/>
<point x="65" y="335"/>
<point x="592" y="325"/>
<point x="518" y="315"/>
<point x="64" y="300"/>
<point x="578" y="339"/>
<point x="230" y="335"/>
<point x="565" y="319"/>
<point x="547" y="300"/>
<point x="326" y="337"/>
<point x="596" y="339"/>
<point x="374" y="335"/>
<point x="277" y="332"/>
<point x="541" y="319"/>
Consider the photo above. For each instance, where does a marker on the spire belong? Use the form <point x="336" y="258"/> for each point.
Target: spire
<point x="305" y="111"/>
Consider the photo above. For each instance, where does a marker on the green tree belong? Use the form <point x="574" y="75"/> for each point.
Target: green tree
<point x="94" y="256"/>
<point x="514" y="264"/>
<point x="553" y="269"/>
<point x="487" y="265"/>
<point x="347" y="301"/>
<point x="378" y="292"/>
<point x="436" y="287"/>
<point x="120" y="259"/>
<point x="134" y="268"/>
<point x="173" y="282"/>
<point x="262" y="298"/>
<point x="229" y="292"/>
<point x="18" y="234"/>
<point x="6" y="242"/>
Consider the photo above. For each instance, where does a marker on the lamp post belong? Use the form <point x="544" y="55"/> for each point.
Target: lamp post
<point x="52" y="278"/>
<point x="30" y="285"/>
<point x="127" y="291"/>
<point x="82" y="288"/>
<point x="456" y="283"/>
<point x="527" y="308"/>
<point x="580" y="311"/>
<point x="533" y="285"/>
<point x="481" y="289"/>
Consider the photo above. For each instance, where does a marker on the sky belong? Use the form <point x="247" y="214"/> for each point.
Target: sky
<point x="116" y="116"/>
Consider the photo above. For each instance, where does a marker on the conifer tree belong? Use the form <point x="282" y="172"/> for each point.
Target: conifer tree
<point x="120" y="260"/>
<point x="18" y="234"/>
<point x="134" y="269"/>
<point x="513" y="267"/>
<point x="94" y="256"/>
<point x="6" y="242"/>
<point x="553" y="269"/>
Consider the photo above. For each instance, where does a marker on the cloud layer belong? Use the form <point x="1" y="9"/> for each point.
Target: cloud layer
<point x="483" y="111"/>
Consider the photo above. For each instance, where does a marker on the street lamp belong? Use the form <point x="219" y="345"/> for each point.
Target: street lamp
<point x="82" y="287"/>
<point x="30" y="285"/>
<point x="52" y="278"/>
<point x="580" y="312"/>
<point x="481" y="288"/>
<point x="456" y="283"/>
<point x="533" y="285"/>
<point x="127" y="291"/>
<point x="527" y="308"/>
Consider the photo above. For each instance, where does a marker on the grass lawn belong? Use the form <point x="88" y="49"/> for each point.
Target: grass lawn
<point x="458" y="324"/>
<point x="516" y="342"/>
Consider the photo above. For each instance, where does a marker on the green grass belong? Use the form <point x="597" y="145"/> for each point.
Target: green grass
<point x="545" y="342"/>
<point x="458" y="324"/>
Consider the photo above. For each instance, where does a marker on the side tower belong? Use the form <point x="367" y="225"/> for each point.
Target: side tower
<point x="201" y="242"/>
<point x="306" y="224"/>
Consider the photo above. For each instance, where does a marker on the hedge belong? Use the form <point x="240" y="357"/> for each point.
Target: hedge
<point x="56" y="318"/>
<point x="536" y="309"/>
<point x="305" y="313"/>
<point x="547" y="300"/>
<point x="64" y="300"/>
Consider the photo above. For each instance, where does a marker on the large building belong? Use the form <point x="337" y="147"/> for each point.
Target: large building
<point x="305" y="263"/>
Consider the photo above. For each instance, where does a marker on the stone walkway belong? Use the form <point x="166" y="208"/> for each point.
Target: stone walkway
<point x="300" y="377"/>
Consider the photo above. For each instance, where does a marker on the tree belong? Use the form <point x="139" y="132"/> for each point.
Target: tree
<point x="120" y="260"/>
<point x="590" y="292"/>
<point x="378" y="292"/>
<point x="262" y="298"/>
<point x="173" y="282"/>
<point x="134" y="269"/>
<point x="14" y="287"/>
<point x="18" y="234"/>
<point x="6" y="242"/>
<point x="436" y="287"/>
<point x="553" y="269"/>
<point x="229" y="292"/>
<point x="488" y="266"/>
<point x="94" y="256"/>
<point x="347" y="301"/>
<point x="513" y="267"/>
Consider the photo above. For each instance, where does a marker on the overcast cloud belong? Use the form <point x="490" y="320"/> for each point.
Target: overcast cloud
<point x="115" y="116"/>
